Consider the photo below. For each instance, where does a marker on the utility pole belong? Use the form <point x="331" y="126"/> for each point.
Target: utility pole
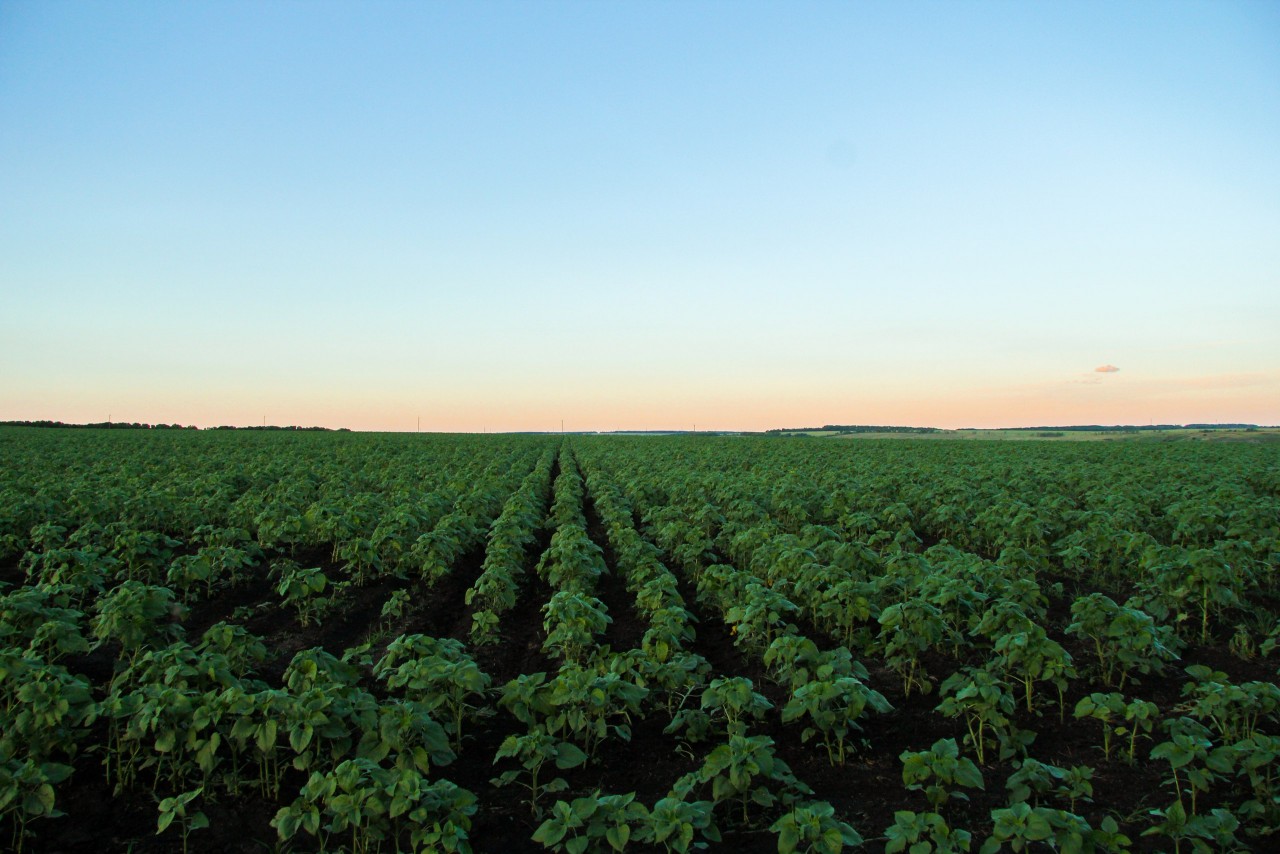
<point x="561" y="426"/>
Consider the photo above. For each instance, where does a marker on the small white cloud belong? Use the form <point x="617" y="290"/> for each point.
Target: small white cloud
<point x="1105" y="369"/>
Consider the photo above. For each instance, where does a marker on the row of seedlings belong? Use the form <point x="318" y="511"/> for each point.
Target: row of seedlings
<point x="497" y="589"/>
<point x="742" y="770"/>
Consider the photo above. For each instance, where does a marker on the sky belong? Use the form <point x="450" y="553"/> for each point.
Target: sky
<point x="730" y="215"/>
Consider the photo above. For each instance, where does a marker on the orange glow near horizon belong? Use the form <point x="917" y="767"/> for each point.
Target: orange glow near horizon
<point x="1239" y="399"/>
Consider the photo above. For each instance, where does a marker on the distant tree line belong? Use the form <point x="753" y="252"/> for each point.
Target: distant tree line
<point x="100" y="425"/>
<point x="133" y="425"/>
<point x="274" y="427"/>
<point x="1135" y="428"/>
<point x="855" y="428"/>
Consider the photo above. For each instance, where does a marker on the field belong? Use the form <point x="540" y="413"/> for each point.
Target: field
<point x="247" y="641"/>
<point x="1252" y="435"/>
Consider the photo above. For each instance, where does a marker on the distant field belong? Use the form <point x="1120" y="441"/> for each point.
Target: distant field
<point x="1261" y="434"/>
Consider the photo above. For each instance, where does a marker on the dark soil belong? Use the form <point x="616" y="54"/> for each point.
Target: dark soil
<point x="11" y="573"/>
<point x="256" y="588"/>
<point x="628" y="628"/>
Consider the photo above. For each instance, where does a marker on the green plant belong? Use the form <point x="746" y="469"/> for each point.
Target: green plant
<point x="1031" y="656"/>
<point x="437" y="813"/>
<point x="846" y="607"/>
<point x="1126" y="640"/>
<point x="1258" y="757"/>
<point x="936" y="770"/>
<point x="572" y="621"/>
<point x="759" y="616"/>
<point x="592" y="822"/>
<point x="241" y="650"/>
<point x="404" y="729"/>
<point x="736" y="700"/>
<point x="796" y="660"/>
<point x="742" y="768"/>
<point x="45" y="709"/>
<point x="58" y="636"/>
<point x="1181" y="582"/>
<point x="589" y="703"/>
<point x="1214" y="831"/>
<point x="534" y="750"/>
<point x="301" y="588"/>
<point x="36" y="616"/>
<point x="1194" y="762"/>
<point x="176" y="808"/>
<point x="678" y="677"/>
<point x="526" y="698"/>
<point x="1021" y="826"/>
<point x="1139" y="717"/>
<point x="674" y="821"/>
<point x="908" y="630"/>
<point x="484" y="627"/>
<point x="1106" y="837"/>
<point x="984" y="701"/>
<point x="163" y="730"/>
<point x="924" y="833"/>
<point x="395" y="606"/>
<point x="254" y="719"/>
<point x="1035" y="780"/>
<point x="137" y="615"/>
<point x="813" y="827"/>
<point x="572" y="562"/>
<point x="1235" y="711"/>
<point x="833" y="706"/>
<point x="373" y="804"/>
<point x="727" y="704"/>
<point x="27" y="793"/>
<point x="84" y="570"/>
<point x="438" y="673"/>
<point x="187" y="571"/>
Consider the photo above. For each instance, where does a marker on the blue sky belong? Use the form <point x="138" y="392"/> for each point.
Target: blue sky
<point x="639" y="215"/>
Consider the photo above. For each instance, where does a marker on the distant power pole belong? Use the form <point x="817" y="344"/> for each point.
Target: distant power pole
<point x="562" y="426"/>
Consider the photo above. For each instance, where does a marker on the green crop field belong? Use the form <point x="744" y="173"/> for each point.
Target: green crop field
<point x="248" y="641"/>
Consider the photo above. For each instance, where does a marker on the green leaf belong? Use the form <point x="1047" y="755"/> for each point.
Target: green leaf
<point x="550" y="832"/>
<point x="617" y="837"/>
<point x="286" y="823"/>
<point x="267" y="736"/>
<point x="1038" y="827"/>
<point x="569" y="756"/>
<point x="300" y="737"/>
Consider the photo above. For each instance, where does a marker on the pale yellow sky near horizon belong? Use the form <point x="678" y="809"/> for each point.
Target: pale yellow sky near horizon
<point x="1087" y="398"/>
